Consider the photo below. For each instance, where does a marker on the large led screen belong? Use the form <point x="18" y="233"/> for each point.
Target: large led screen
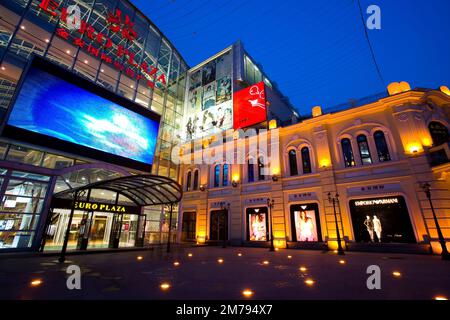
<point x="53" y="107"/>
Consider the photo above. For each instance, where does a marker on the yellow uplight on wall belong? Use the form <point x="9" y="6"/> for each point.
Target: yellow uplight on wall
<point x="201" y="239"/>
<point x="445" y="90"/>
<point x="276" y="171"/>
<point x="236" y="177"/>
<point x="272" y="124"/>
<point x="414" y="148"/>
<point x="426" y="142"/>
<point x="324" y="163"/>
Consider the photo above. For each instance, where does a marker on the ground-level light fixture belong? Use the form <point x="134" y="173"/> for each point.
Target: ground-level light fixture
<point x="220" y="260"/>
<point x="176" y="263"/>
<point x="190" y="255"/>
<point x="164" y="286"/>
<point x="36" y="282"/>
<point x="289" y="257"/>
<point x="265" y="262"/>
<point x="441" y="298"/>
<point x="247" y="293"/>
<point x="239" y="254"/>
<point x="139" y="258"/>
<point x="303" y="269"/>
<point x="309" y="282"/>
<point x="342" y="261"/>
<point x="397" y="274"/>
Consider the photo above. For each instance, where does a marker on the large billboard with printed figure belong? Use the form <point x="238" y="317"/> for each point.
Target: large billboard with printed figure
<point x="56" y="108"/>
<point x="249" y="106"/>
<point x="209" y="106"/>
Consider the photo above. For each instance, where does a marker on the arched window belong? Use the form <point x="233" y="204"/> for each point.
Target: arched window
<point x="250" y="170"/>
<point x="438" y="132"/>
<point x="306" y="160"/>
<point x="382" y="148"/>
<point x="364" y="151"/>
<point x="195" y="180"/>
<point x="347" y="151"/>
<point x="293" y="170"/>
<point x="261" y="175"/>
<point x="225" y="175"/>
<point x="217" y="176"/>
<point x="188" y="181"/>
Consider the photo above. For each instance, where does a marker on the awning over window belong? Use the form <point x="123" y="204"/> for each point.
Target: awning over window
<point x="143" y="190"/>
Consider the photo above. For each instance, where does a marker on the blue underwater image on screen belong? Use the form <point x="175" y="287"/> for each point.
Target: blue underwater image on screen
<point x="51" y="106"/>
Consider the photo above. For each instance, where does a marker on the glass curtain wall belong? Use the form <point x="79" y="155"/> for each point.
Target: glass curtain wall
<point x="23" y="196"/>
<point x="26" y="29"/>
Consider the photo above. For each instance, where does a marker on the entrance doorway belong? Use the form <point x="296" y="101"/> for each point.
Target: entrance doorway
<point x="382" y="220"/>
<point x="91" y="230"/>
<point x="188" y="227"/>
<point x="219" y="225"/>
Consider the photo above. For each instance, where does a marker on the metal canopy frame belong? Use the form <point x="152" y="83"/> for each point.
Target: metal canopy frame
<point x="143" y="190"/>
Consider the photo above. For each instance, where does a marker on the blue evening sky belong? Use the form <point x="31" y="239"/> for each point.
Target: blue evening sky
<point x="316" y="50"/>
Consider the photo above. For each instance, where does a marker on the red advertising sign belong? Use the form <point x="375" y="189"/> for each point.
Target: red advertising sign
<point x="249" y="106"/>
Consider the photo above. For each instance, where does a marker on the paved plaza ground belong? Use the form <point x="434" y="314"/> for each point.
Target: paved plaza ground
<point x="200" y="275"/>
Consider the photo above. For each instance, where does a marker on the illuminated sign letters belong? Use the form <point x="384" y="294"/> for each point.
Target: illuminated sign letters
<point x="103" y="207"/>
<point x="375" y="202"/>
<point x="117" y="24"/>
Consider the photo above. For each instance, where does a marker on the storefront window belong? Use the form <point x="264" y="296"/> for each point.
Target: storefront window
<point x="381" y="220"/>
<point x="20" y="208"/>
<point x="305" y="223"/>
<point x="257" y="224"/>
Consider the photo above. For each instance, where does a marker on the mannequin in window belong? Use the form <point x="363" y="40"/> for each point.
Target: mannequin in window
<point x="369" y="225"/>
<point x="377" y="227"/>
<point x="258" y="228"/>
<point x="306" y="227"/>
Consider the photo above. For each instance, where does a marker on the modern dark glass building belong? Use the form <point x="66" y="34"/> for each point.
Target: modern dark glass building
<point x="52" y="140"/>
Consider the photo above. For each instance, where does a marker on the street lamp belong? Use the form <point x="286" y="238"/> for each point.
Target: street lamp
<point x="335" y="200"/>
<point x="445" y="255"/>
<point x="270" y="204"/>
